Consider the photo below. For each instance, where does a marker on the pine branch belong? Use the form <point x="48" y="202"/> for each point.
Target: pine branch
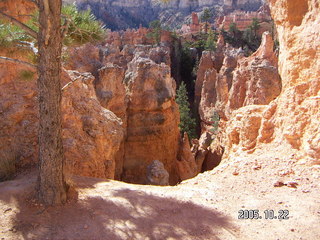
<point x="16" y="22"/>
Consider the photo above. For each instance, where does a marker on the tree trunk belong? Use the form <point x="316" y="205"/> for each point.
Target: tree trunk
<point x="51" y="182"/>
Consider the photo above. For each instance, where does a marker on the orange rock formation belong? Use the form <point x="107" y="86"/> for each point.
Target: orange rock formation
<point x="91" y="134"/>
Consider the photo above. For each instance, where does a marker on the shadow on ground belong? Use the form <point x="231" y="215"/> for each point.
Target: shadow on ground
<point x="116" y="213"/>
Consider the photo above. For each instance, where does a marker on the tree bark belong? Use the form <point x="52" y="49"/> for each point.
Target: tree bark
<point x="51" y="182"/>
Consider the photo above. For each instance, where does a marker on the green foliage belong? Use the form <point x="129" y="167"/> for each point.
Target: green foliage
<point x="199" y="42"/>
<point x="155" y="33"/>
<point x="187" y="123"/>
<point x="215" y="119"/>
<point x="206" y="15"/>
<point x="10" y="35"/>
<point x="255" y="26"/>
<point x="233" y="30"/>
<point x="211" y="43"/>
<point x="83" y="26"/>
<point x="196" y="67"/>
<point x="247" y="39"/>
<point x="26" y="75"/>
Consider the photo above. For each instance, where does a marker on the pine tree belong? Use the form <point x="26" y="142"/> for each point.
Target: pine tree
<point x="187" y="123"/>
<point x="255" y="26"/>
<point x="206" y="16"/>
<point x="211" y="41"/>
<point x="155" y="33"/>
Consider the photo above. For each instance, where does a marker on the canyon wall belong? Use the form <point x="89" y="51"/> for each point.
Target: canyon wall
<point x="91" y="134"/>
<point x="241" y="81"/>
<point x="123" y="14"/>
<point x="135" y="83"/>
<point x="290" y="123"/>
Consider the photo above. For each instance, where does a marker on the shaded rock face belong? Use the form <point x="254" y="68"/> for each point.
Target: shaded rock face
<point x="123" y="14"/>
<point x="206" y="63"/>
<point x="18" y="109"/>
<point x="240" y="82"/>
<point x="91" y="134"/>
<point x="199" y="158"/>
<point x="186" y="163"/>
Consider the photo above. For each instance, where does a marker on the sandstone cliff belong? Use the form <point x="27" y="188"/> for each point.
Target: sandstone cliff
<point x="123" y="14"/>
<point x="240" y="82"/>
<point x="290" y="122"/>
<point x="91" y="134"/>
<point x="134" y="81"/>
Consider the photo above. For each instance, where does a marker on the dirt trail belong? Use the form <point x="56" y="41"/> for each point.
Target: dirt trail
<point x="205" y="207"/>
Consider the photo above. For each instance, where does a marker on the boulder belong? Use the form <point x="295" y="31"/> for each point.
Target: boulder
<point x="157" y="174"/>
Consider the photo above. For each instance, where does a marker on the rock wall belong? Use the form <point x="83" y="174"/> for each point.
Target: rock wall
<point x="91" y="134"/>
<point x="136" y="84"/>
<point x="290" y="123"/>
<point x="153" y="117"/>
<point x="241" y="81"/>
<point x="244" y="19"/>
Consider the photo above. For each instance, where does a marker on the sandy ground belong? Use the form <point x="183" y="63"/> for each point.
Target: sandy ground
<point x="205" y="207"/>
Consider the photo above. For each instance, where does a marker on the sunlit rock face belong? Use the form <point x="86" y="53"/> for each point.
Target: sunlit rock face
<point x="152" y="119"/>
<point x="91" y="134"/>
<point x="241" y="81"/>
<point x="291" y="121"/>
<point x="135" y="83"/>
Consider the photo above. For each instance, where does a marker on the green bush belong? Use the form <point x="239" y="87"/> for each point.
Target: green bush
<point x="247" y="39"/>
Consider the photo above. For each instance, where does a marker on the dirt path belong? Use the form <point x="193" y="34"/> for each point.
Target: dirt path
<point x="205" y="207"/>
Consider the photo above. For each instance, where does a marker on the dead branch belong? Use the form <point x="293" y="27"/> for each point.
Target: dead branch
<point x="18" y="61"/>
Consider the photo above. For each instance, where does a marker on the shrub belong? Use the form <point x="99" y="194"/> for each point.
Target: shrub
<point x="26" y="75"/>
<point x="215" y="119"/>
